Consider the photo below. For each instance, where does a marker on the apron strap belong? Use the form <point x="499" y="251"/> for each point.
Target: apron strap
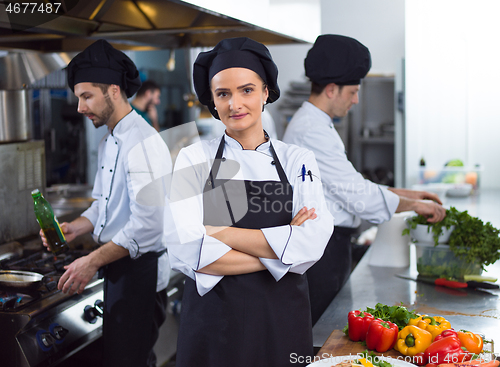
<point x="214" y="170"/>
<point x="279" y="168"/>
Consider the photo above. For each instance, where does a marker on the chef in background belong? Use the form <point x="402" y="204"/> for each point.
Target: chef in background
<point x="145" y="102"/>
<point x="336" y="65"/>
<point x="127" y="217"/>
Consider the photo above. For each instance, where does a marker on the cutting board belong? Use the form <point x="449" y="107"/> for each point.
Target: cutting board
<point x="338" y="344"/>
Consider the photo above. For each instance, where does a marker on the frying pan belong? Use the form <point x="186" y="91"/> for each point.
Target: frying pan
<point x="20" y="279"/>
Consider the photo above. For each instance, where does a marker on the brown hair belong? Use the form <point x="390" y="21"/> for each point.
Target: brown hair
<point x="317" y="89"/>
<point x="147" y="85"/>
<point x="104" y="89"/>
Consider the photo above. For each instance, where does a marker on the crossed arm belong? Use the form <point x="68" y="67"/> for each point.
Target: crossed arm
<point x="247" y="246"/>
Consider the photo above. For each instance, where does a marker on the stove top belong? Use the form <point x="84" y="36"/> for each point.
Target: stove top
<point x="42" y="326"/>
<point x="42" y="262"/>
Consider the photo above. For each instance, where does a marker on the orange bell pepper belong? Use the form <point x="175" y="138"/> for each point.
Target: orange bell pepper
<point x="472" y="342"/>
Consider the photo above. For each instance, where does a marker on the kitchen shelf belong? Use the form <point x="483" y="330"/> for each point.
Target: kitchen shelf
<point x="371" y="146"/>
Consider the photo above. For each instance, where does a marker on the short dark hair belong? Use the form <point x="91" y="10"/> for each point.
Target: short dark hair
<point x="104" y="89"/>
<point x="147" y="85"/>
<point x="317" y="89"/>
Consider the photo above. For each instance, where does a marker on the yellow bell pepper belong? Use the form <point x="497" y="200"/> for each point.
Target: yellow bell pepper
<point x="413" y="340"/>
<point x="366" y="363"/>
<point x="434" y="325"/>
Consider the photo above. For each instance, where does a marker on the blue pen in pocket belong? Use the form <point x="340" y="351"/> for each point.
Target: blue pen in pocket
<point x="303" y="172"/>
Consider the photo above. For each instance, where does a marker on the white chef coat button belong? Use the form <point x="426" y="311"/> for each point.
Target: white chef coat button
<point x="102" y="225"/>
<point x="102" y="167"/>
<point x="273" y="163"/>
<point x="110" y="170"/>
<point x="223" y="159"/>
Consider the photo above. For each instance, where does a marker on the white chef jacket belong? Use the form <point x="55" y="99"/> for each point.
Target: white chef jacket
<point x="349" y="196"/>
<point x="130" y="192"/>
<point x="297" y="247"/>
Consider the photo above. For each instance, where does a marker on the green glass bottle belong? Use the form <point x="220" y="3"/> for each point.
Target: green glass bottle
<point x="49" y="224"/>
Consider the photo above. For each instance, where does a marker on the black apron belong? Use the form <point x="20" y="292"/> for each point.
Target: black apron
<point x="133" y="311"/>
<point x="249" y="319"/>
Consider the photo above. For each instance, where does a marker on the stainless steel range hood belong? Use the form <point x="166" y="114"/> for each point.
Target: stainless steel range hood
<point x="128" y="25"/>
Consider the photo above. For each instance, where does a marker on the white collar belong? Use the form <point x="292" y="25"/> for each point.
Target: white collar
<point x="124" y="125"/>
<point x="235" y="144"/>
<point x="323" y="117"/>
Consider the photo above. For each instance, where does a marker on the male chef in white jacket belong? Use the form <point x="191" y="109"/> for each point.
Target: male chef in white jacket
<point x="127" y="216"/>
<point x="335" y="65"/>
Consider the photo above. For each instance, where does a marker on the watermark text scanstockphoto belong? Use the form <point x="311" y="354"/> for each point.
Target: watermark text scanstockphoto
<point x="333" y="360"/>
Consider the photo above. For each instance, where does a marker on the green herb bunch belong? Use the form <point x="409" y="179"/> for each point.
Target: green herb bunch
<point x="472" y="240"/>
<point x="398" y="315"/>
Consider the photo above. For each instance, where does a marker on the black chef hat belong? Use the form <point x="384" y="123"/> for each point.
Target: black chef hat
<point x="240" y="52"/>
<point x="337" y="59"/>
<point x="102" y="63"/>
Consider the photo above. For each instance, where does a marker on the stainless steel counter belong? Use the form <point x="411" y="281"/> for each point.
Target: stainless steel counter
<point x="468" y="309"/>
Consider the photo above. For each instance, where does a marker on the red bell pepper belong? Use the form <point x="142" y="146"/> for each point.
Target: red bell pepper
<point x="446" y="350"/>
<point x="381" y="335"/>
<point x="445" y="333"/>
<point x="358" y="323"/>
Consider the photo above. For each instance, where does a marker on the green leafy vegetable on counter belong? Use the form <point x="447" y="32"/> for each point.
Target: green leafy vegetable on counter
<point x="472" y="240"/>
<point x="451" y="219"/>
<point x="399" y="315"/>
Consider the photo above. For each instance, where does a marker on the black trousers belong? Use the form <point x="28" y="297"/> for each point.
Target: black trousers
<point x="133" y="312"/>
<point x="330" y="273"/>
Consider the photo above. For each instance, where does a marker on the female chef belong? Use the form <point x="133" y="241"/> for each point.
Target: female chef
<point x="251" y="218"/>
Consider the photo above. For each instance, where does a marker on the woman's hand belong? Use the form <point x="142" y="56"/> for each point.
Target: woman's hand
<point x="303" y="215"/>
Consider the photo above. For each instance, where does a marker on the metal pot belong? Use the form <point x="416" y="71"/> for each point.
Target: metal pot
<point x="15" y="116"/>
<point x="20" y="279"/>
